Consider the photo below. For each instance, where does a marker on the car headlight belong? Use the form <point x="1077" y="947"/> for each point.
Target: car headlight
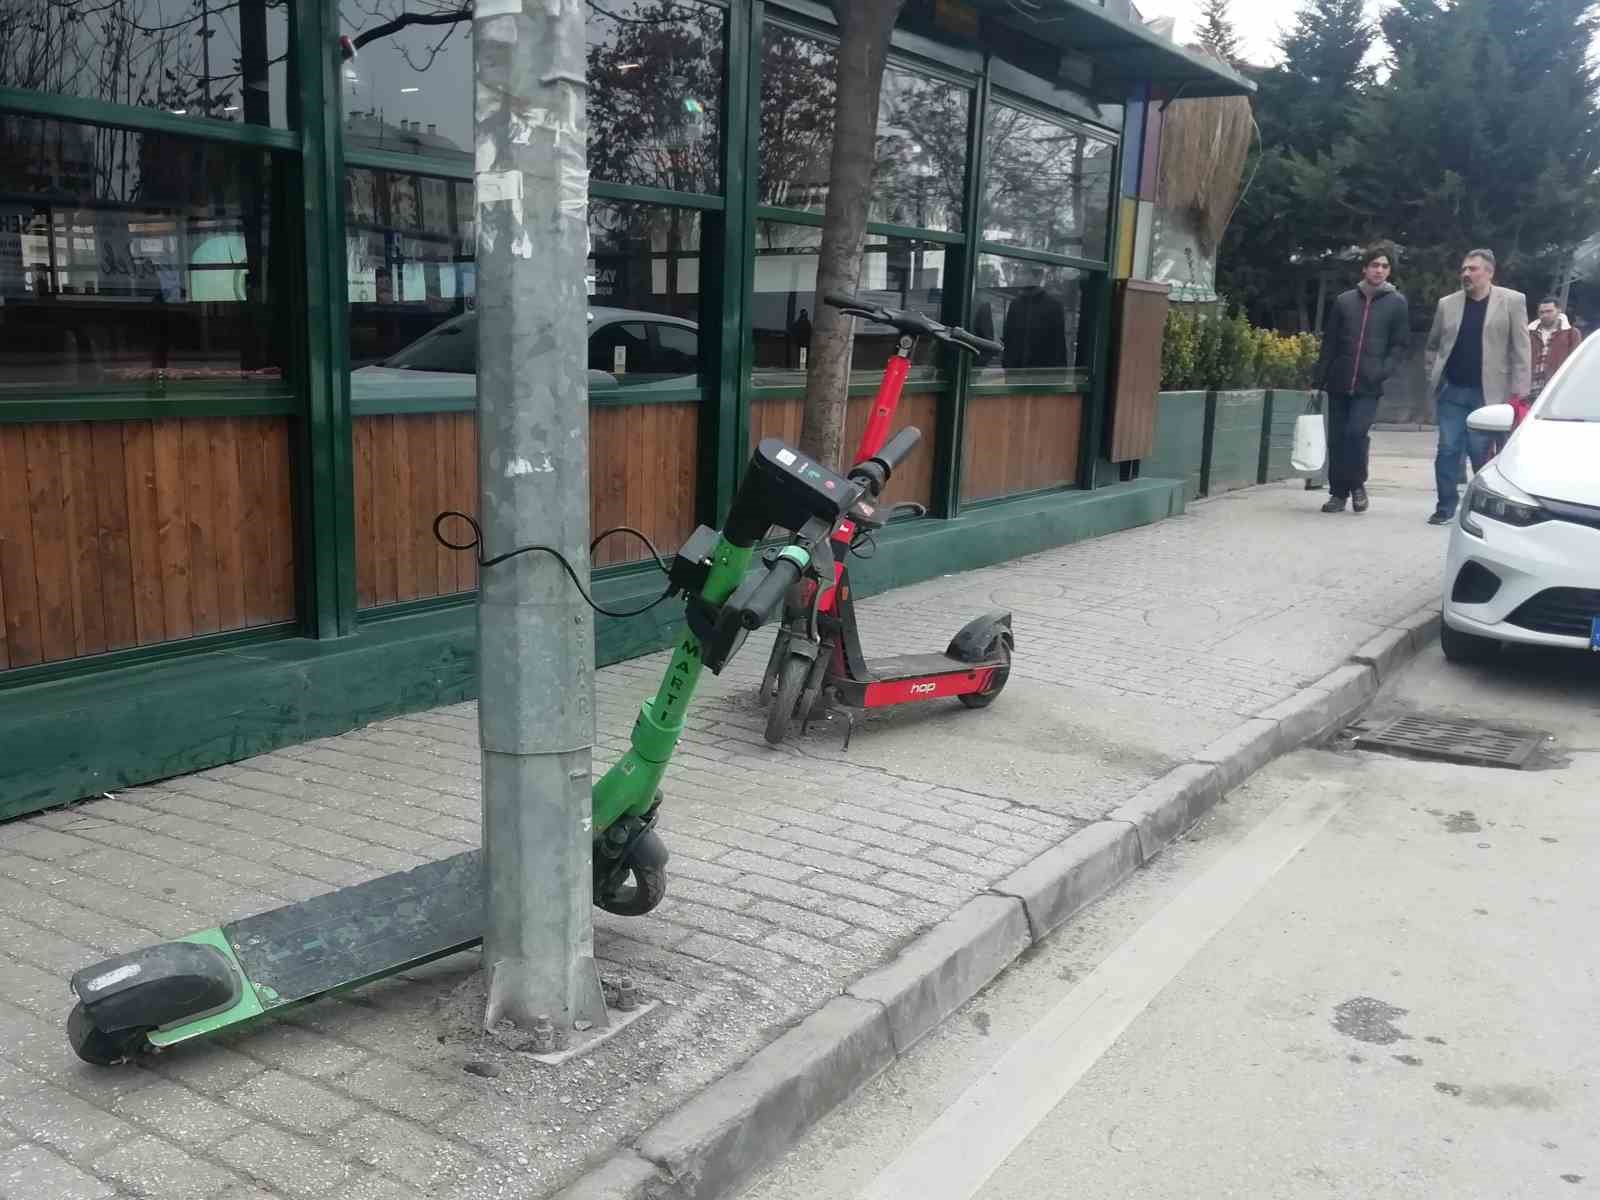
<point x="1492" y="495"/>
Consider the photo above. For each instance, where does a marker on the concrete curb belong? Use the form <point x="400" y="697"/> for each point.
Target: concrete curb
<point x="750" y="1116"/>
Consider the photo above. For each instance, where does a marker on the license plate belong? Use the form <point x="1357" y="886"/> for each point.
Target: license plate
<point x="1594" y="634"/>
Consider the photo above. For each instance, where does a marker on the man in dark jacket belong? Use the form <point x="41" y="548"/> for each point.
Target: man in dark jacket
<point x="1362" y="345"/>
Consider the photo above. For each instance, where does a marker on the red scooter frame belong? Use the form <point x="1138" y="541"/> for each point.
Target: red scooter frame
<point x="817" y="652"/>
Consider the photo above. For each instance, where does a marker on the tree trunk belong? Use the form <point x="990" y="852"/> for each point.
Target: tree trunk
<point x="864" y="27"/>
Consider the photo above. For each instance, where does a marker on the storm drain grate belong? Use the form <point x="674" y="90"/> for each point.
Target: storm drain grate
<point x="1450" y="741"/>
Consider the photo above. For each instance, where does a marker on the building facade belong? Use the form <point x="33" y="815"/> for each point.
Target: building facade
<point x="237" y="332"/>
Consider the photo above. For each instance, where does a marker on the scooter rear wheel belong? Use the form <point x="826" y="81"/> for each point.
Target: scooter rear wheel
<point x="999" y="647"/>
<point x="99" y="1048"/>
<point x="791" y="681"/>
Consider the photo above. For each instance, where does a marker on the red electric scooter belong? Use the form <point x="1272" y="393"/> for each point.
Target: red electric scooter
<point x="817" y="656"/>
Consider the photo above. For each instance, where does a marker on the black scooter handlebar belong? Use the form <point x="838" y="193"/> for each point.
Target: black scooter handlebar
<point x="971" y="341"/>
<point x="769" y="593"/>
<point x="874" y="472"/>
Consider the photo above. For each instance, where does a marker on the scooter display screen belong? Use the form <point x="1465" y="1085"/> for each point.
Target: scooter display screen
<point x="791" y="487"/>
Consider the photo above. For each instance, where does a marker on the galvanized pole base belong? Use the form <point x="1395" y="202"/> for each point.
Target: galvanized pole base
<point x="535" y="635"/>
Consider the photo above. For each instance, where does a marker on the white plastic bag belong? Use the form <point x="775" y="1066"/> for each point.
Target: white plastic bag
<point x="1310" y="444"/>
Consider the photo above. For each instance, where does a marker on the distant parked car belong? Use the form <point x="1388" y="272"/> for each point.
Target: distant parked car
<point x="1524" y="561"/>
<point x="627" y="349"/>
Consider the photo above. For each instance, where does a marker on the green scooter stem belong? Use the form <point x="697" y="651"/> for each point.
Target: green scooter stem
<point x="629" y="787"/>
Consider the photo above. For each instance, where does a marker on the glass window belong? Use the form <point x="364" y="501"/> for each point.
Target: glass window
<point x="186" y="57"/>
<point x="1577" y="396"/>
<point x="409" y="242"/>
<point x="655" y="90"/>
<point x="410" y="246"/>
<point x="655" y="70"/>
<point x="896" y="272"/>
<point x="920" y="171"/>
<point x="796" y="140"/>
<point x="408" y="91"/>
<point x="129" y="257"/>
<point x="1035" y="311"/>
<point x="1047" y="187"/>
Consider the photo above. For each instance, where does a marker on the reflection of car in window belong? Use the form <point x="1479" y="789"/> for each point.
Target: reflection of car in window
<point x="627" y="348"/>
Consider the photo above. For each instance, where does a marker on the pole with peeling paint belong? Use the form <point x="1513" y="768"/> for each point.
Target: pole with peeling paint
<point x="535" y="633"/>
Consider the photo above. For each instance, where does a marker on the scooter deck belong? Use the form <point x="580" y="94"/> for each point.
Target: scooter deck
<point x="903" y="678"/>
<point x="359" y="933"/>
<point x="912" y="666"/>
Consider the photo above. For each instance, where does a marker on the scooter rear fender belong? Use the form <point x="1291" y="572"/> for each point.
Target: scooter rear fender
<point x="156" y="986"/>
<point x="977" y="635"/>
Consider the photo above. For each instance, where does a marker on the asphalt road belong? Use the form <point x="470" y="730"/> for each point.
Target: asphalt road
<point x="1362" y="976"/>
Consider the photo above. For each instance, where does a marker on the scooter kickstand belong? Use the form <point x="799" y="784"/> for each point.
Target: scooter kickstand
<point x="829" y="712"/>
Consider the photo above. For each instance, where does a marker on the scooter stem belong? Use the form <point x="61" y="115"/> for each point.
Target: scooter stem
<point x="884" y="404"/>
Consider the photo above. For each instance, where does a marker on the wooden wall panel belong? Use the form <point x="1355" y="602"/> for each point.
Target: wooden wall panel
<point x="1020" y="443"/>
<point x="1139" y="318"/>
<point x="913" y="482"/>
<point x="644" y="461"/>
<point x="129" y="533"/>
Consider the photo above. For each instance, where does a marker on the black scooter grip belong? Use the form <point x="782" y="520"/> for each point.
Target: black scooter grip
<point x="769" y="593"/>
<point x="973" y="342"/>
<point x="896" y="448"/>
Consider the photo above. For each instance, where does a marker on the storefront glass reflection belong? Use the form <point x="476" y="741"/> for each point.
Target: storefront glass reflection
<point x="1035" y="310"/>
<point x="896" y="272"/>
<point x="654" y="71"/>
<point x="223" y="60"/>
<point x="1047" y="186"/>
<point x="130" y="258"/>
<point x="412" y="283"/>
<point x="919" y="175"/>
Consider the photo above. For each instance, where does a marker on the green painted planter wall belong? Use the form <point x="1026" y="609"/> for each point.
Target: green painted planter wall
<point x="1233" y="441"/>
<point x="1277" y="433"/>
<point x="1179" y="440"/>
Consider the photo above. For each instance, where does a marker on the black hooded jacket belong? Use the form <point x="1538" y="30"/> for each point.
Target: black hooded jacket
<point x="1363" y="342"/>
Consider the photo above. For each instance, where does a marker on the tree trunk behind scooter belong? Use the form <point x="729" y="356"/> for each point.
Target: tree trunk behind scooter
<point x="864" y="27"/>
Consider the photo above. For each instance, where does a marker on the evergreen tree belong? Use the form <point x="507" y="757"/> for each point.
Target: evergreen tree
<point x="1289" y="230"/>
<point x="1217" y="33"/>
<point x="1484" y="134"/>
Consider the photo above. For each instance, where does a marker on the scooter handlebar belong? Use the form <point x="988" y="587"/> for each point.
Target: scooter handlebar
<point x="957" y="336"/>
<point x="769" y="593"/>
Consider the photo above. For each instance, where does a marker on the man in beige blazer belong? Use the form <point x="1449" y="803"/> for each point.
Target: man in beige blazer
<point x="1478" y="353"/>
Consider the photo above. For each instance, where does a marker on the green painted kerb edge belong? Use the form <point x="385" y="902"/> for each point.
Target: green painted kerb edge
<point x="630" y="785"/>
<point x="248" y="1008"/>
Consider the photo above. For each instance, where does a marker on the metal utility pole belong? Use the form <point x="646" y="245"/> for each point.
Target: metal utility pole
<point x="535" y="633"/>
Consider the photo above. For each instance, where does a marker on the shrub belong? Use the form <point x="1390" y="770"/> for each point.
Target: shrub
<point x="1217" y="353"/>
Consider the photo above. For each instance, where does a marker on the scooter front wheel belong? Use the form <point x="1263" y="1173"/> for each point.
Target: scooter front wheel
<point x="99" y="1048"/>
<point x="792" y="674"/>
<point x="1000" y="648"/>
<point x="642" y="883"/>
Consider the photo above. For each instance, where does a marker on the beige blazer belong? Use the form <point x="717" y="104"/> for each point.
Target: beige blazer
<point x="1507" y="354"/>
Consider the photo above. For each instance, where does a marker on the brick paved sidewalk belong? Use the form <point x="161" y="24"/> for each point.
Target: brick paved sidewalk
<point x="793" y="870"/>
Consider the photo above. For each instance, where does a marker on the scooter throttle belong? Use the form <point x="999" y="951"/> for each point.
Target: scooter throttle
<point x="854" y="305"/>
<point x="769" y="593"/>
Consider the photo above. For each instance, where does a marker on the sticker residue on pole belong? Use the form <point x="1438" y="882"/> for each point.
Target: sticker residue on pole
<point x="499" y="29"/>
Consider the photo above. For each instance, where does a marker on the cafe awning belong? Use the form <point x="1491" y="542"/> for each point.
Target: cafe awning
<point x="1112" y="55"/>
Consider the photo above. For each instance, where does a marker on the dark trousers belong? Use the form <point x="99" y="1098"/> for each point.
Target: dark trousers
<point x="1349" y="423"/>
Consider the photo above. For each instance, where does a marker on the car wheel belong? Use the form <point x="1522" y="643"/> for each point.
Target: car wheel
<point x="1461" y="647"/>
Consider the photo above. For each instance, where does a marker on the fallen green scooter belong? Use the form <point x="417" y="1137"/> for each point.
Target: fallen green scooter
<point x="228" y="975"/>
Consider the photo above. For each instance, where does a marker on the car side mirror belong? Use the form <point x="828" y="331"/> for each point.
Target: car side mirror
<point x="1492" y="418"/>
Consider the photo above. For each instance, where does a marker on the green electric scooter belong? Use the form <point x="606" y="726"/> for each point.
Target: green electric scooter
<point x="228" y="975"/>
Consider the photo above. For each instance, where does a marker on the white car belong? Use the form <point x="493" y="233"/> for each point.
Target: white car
<point x="626" y="349"/>
<point x="1524" y="563"/>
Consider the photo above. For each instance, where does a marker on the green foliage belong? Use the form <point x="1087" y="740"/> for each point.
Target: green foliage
<point x="1285" y="360"/>
<point x="1481" y="132"/>
<point x="1208" y="352"/>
